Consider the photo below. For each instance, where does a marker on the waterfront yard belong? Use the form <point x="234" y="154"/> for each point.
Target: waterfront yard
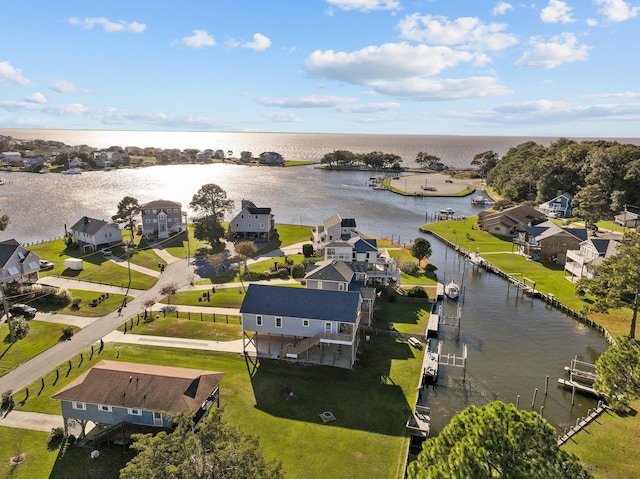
<point x="371" y="404"/>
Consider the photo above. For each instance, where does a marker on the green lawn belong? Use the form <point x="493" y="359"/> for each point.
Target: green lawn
<point x="40" y="457"/>
<point x="189" y="326"/>
<point x="371" y="404"/>
<point x="106" y="306"/>
<point x="465" y="233"/>
<point x="41" y="337"/>
<point x="221" y="298"/>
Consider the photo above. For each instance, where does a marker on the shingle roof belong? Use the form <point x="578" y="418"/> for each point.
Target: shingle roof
<point x="7" y="248"/>
<point x="259" y="211"/>
<point x="144" y="386"/>
<point x="161" y="204"/>
<point x="341" y="306"/>
<point x="88" y="225"/>
<point x="330" y="270"/>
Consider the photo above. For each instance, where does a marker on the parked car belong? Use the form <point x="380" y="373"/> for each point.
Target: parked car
<point x="24" y="310"/>
<point x="46" y="265"/>
<point x="106" y="251"/>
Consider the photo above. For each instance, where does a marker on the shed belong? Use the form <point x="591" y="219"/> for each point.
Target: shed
<point x="73" y="263"/>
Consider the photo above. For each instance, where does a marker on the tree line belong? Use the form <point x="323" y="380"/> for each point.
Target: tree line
<point x="603" y="176"/>
<point x="374" y="159"/>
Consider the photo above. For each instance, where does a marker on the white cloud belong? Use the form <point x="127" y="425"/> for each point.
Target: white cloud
<point x="424" y="89"/>
<point x="63" y="86"/>
<point x="199" y="39"/>
<point x="464" y="31"/>
<point x="391" y="61"/>
<point x="365" y="5"/>
<point x="561" y="49"/>
<point x="259" y="43"/>
<point x="283" y="117"/>
<point x="617" y="10"/>
<point x="370" y="107"/>
<point x="12" y="74"/>
<point x="501" y="8"/>
<point x="309" y="101"/>
<point x="37" y="97"/>
<point x="108" y="25"/>
<point x="541" y="111"/>
<point x="556" y="12"/>
<point x="592" y="22"/>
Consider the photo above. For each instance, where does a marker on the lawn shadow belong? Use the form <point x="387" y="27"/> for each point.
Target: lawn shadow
<point x="362" y="398"/>
<point x="75" y="462"/>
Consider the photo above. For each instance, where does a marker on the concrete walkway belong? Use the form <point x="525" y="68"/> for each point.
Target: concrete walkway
<point x="31" y="420"/>
<point x="234" y="346"/>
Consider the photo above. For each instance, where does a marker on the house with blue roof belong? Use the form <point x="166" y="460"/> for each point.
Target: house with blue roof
<point x="581" y="262"/>
<point x="302" y="324"/>
<point x="548" y="242"/>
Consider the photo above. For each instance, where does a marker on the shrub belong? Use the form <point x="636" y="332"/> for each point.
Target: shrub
<point x="409" y="267"/>
<point x="20" y="328"/>
<point x="417" y="292"/>
<point x="283" y="273"/>
<point x="430" y="268"/>
<point x="56" y="433"/>
<point x="75" y="303"/>
<point x="297" y="271"/>
<point x="7" y="399"/>
<point x="67" y="332"/>
<point x="307" y="250"/>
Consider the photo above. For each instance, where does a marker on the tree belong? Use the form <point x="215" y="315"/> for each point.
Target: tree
<point x="426" y="160"/>
<point x="128" y="209"/>
<point x="617" y="280"/>
<point x="216" y="261"/>
<point x="618" y="373"/>
<point x="485" y="162"/>
<point x="590" y="204"/>
<point x="213" y="450"/>
<point x="148" y="304"/>
<point x="493" y="441"/>
<point x="210" y="203"/>
<point x="421" y="249"/>
<point x="245" y="250"/>
<point x="168" y="290"/>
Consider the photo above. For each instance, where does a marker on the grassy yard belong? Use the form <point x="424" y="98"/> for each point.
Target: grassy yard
<point x="189" y="326"/>
<point x="96" y="267"/>
<point x="221" y="298"/>
<point x="40" y="457"/>
<point x="371" y="404"/>
<point x="41" y="337"/>
<point x="105" y="307"/>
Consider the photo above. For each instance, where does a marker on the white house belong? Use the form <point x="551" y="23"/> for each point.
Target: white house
<point x="92" y="234"/>
<point x="17" y="263"/>
<point x="333" y="228"/>
<point x="592" y="252"/>
<point x="252" y="223"/>
<point x="627" y="219"/>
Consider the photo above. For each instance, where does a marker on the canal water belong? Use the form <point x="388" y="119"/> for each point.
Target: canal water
<point x="513" y="343"/>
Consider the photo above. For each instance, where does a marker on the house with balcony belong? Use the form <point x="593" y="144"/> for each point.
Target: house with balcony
<point x="91" y="234"/>
<point x="374" y="265"/>
<point x="548" y="242"/>
<point x="17" y="263"/>
<point x="162" y="218"/>
<point x="306" y="325"/>
<point x="507" y="222"/>
<point x="252" y="223"/>
<point x="580" y="262"/>
<point x="336" y="275"/>
<point x="333" y="228"/>
<point x="558" y="207"/>
<point x="116" y="393"/>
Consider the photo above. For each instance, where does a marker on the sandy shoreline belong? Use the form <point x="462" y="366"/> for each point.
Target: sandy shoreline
<point x="423" y="184"/>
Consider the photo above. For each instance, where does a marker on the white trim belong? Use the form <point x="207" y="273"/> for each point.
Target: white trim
<point x="104" y="408"/>
<point x="80" y="406"/>
<point x="134" y="411"/>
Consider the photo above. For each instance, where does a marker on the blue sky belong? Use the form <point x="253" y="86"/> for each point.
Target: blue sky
<point x="469" y="67"/>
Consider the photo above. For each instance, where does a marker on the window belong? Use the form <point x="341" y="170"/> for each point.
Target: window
<point x="258" y="320"/>
<point x="134" y="412"/>
<point x="340" y="286"/>
<point x="278" y="322"/>
<point x="305" y="323"/>
<point x="81" y="406"/>
<point x="104" y="407"/>
<point x="13" y="270"/>
<point x="261" y="226"/>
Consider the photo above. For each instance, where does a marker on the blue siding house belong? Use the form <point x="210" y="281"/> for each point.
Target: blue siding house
<point x="114" y="392"/>
<point x="308" y="325"/>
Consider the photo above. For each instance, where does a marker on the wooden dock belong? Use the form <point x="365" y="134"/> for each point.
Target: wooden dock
<point x="581" y="423"/>
<point x="419" y="424"/>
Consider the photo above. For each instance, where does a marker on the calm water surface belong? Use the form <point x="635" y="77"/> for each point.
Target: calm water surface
<point x="513" y="343"/>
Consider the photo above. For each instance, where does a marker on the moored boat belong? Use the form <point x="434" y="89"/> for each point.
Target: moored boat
<point x="452" y="290"/>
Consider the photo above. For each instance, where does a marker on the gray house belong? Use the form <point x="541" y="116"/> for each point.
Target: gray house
<point x="162" y="218"/>
<point x="627" y="219"/>
<point x="306" y="325"/>
<point x="252" y="223"/>
<point x="17" y="263"/>
<point x="333" y="228"/>
<point x="91" y="234"/>
<point x="115" y="392"/>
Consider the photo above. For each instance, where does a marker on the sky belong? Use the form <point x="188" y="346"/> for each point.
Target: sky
<point x="430" y="67"/>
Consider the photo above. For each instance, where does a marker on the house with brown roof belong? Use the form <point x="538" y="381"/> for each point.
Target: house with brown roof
<point x="507" y="222"/>
<point x="115" y="392"/>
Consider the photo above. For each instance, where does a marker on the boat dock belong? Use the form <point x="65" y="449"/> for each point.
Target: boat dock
<point x="434" y="315"/>
<point x="430" y="365"/>
<point x="581" y="376"/>
<point x="419" y="424"/>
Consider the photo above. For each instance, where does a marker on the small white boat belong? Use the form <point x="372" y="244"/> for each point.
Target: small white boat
<point x="475" y="258"/>
<point x="452" y="290"/>
<point x="72" y="171"/>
